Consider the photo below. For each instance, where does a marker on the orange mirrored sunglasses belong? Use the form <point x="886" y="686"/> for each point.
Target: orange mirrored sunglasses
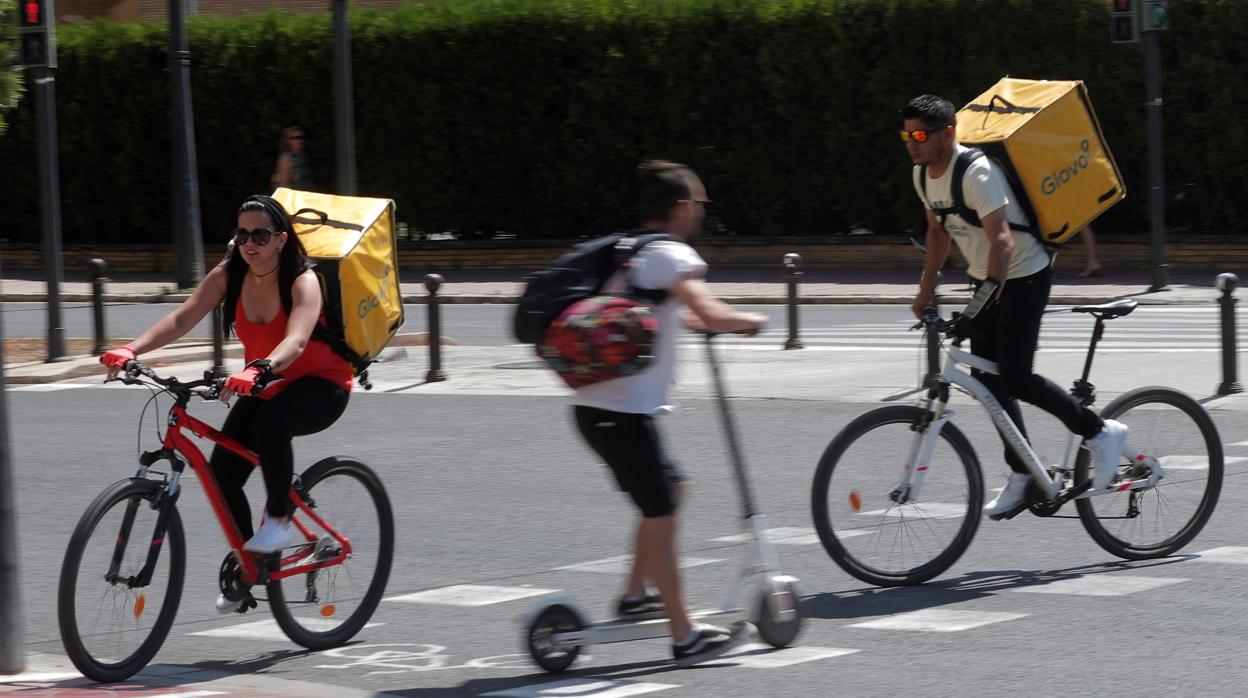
<point x="921" y="135"/>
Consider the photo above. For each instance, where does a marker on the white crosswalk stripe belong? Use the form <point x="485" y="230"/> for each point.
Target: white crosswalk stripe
<point x="937" y="620"/>
<point x="583" y="688"/>
<point x="1148" y="329"/>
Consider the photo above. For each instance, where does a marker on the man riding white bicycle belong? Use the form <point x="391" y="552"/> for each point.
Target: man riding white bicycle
<point x="1011" y="273"/>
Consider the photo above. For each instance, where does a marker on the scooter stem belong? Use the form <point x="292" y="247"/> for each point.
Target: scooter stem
<point x="734" y="446"/>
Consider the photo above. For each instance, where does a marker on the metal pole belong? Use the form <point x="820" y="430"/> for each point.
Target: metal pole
<point x="932" y="339"/>
<point x="12" y="650"/>
<point x="344" y="112"/>
<point x="1226" y="283"/>
<point x="98" y="267"/>
<point x="1156" y="175"/>
<point x="50" y="205"/>
<point x="792" y="261"/>
<point x="187" y="237"/>
<point x="435" y="374"/>
<point x="218" y="343"/>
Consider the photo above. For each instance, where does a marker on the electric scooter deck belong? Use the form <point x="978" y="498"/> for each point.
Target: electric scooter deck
<point x="625" y="630"/>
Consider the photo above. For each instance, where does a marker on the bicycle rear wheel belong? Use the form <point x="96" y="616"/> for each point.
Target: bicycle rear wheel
<point x="325" y="608"/>
<point x="112" y="624"/>
<point x="1141" y="524"/>
<point x="876" y="539"/>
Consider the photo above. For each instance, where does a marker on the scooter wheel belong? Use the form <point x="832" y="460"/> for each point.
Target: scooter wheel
<point x="775" y="631"/>
<point x="554" y="619"/>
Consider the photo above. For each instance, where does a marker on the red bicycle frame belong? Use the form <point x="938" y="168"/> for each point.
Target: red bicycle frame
<point x="175" y="440"/>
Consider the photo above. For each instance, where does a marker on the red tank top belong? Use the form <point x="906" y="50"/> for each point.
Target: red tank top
<point x="317" y="359"/>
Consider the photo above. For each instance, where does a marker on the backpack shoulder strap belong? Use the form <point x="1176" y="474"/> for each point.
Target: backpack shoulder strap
<point x="960" y="165"/>
<point x="630" y="244"/>
<point x="286" y="293"/>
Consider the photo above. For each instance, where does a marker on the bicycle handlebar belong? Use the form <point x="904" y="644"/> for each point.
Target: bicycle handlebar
<point x="932" y="320"/>
<point x="133" y="370"/>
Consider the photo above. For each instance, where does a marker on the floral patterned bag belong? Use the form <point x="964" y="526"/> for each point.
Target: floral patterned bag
<point x="600" y="338"/>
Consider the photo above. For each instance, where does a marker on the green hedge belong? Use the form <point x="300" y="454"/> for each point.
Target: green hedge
<point x="10" y="75"/>
<point x="527" y="116"/>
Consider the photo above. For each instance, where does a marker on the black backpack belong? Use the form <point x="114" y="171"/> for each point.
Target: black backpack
<point x="959" y="207"/>
<point x="579" y="274"/>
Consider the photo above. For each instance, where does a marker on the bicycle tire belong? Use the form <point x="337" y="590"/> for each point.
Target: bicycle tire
<point x="1096" y="525"/>
<point x="959" y="541"/>
<point x="72" y="637"/>
<point x="344" y="631"/>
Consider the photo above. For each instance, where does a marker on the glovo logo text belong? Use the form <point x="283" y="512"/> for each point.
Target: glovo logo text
<point x="383" y="289"/>
<point x="1050" y="184"/>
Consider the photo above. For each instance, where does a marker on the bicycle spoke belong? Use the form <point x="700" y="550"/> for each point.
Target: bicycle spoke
<point x="898" y="543"/>
<point x="110" y="629"/>
<point x="349" y="499"/>
<point x="1174" y="430"/>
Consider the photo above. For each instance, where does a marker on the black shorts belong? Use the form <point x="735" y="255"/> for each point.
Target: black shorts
<point x="629" y="443"/>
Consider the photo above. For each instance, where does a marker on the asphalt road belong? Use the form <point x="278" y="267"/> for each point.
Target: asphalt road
<point x="497" y="490"/>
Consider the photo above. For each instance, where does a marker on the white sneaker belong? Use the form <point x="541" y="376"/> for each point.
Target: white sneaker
<point x="225" y="606"/>
<point x="1107" y="448"/>
<point x="1012" y="497"/>
<point x="272" y="536"/>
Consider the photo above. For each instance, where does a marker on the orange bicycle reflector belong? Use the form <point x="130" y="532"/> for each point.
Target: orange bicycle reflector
<point x="855" y="500"/>
<point x="328" y="610"/>
<point x="140" y="604"/>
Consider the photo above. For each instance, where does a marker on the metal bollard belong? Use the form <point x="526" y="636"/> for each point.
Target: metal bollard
<point x="1226" y="283"/>
<point x="932" y="339"/>
<point x="791" y="262"/>
<point x="433" y="305"/>
<point x="218" y="342"/>
<point x="97" y="267"/>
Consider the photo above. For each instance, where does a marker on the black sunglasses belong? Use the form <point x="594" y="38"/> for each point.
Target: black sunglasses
<point x="259" y="236"/>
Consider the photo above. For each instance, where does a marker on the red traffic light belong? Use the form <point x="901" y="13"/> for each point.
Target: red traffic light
<point x="32" y="13"/>
<point x="1123" y="5"/>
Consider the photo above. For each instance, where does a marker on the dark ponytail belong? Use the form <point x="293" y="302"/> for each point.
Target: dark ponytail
<point x="292" y="262"/>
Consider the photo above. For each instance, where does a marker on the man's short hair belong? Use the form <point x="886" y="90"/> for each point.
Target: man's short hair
<point x="660" y="185"/>
<point x="933" y="110"/>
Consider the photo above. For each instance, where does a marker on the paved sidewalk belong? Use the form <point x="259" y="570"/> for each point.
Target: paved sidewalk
<point x="737" y="285"/>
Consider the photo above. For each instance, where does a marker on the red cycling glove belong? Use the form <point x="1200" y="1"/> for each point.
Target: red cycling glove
<point x="117" y="357"/>
<point x="243" y="382"/>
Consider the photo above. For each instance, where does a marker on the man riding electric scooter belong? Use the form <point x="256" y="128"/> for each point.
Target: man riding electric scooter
<point x="616" y="417"/>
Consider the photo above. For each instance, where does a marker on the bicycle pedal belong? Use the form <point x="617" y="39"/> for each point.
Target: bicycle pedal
<point x="1006" y="516"/>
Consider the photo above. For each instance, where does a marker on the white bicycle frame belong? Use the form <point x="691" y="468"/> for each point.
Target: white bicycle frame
<point x="1052" y="486"/>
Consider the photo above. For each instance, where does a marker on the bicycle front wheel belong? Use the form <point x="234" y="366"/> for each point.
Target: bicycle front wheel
<point x="875" y="538"/>
<point x="326" y="607"/>
<point x="1178" y="433"/>
<point x="118" y="595"/>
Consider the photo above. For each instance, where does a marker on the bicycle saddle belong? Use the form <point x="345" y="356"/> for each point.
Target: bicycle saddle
<point x="1112" y="309"/>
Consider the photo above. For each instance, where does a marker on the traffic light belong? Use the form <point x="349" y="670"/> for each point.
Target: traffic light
<point x="36" y="30"/>
<point x="32" y="14"/>
<point x="1124" y="22"/>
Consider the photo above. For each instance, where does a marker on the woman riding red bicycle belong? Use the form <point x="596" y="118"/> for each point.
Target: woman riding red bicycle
<point x="271" y="299"/>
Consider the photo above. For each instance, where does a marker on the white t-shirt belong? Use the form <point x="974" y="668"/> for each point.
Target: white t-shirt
<point x="658" y="265"/>
<point x="984" y="190"/>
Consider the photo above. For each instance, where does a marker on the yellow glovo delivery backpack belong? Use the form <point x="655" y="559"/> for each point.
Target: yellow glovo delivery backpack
<point x="1045" y="136"/>
<point x="350" y="239"/>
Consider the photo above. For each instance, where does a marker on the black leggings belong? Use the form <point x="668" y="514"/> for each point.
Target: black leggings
<point x="1009" y="336"/>
<point x="306" y="406"/>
